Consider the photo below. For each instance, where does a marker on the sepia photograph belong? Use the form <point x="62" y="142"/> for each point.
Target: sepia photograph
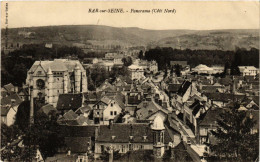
<point x="122" y="81"/>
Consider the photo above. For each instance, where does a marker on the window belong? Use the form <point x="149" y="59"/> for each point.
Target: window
<point x="102" y="148"/>
<point x="39" y="72"/>
<point x="111" y="104"/>
<point x="123" y="148"/>
<point x="115" y="112"/>
<point x="111" y="112"/>
<point x="141" y="147"/>
<point x="97" y="112"/>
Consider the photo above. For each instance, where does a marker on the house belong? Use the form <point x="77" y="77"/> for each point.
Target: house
<point x="147" y="110"/>
<point x="136" y="72"/>
<point x="69" y="101"/>
<point x="9" y="107"/>
<point x="71" y="118"/>
<point x="207" y="123"/>
<point x="105" y="85"/>
<point x="248" y="70"/>
<point x="107" y="109"/>
<point x="186" y="90"/>
<point x="192" y="114"/>
<point x="133" y="98"/>
<point x="83" y="111"/>
<point x="90" y="98"/>
<point x="135" y="136"/>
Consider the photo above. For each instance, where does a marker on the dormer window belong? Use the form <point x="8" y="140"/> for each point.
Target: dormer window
<point x="131" y="137"/>
<point x="113" y="137"/>
<point x="144" y="137"/>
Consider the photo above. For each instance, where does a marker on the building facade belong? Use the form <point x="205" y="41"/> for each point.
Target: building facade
<point x="48" y="79"/>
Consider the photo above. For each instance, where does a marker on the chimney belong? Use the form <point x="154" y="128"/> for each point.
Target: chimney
<point x="96" y="132"/>
<point x="110" y="124"/>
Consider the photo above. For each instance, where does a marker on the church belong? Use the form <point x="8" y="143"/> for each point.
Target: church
<point x="48" y="79"/>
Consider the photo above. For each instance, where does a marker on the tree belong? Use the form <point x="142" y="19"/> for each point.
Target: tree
<point x="141" y="55"/>
<point x="177" y="70"/>
<point x="105" y="154"/>
<point x="44" y="134"/>
<point x="127" y="61"/>
<point x="235" y="141"/>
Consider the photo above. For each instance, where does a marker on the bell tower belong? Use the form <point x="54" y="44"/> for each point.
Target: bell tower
<point x="158" y="136"/>
<point x="77" y="78"/>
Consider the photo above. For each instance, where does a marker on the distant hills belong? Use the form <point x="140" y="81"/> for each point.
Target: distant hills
<point x="103" y="35"/>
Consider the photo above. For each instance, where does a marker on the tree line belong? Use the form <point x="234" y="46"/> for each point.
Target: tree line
<point x="238" y="57"/>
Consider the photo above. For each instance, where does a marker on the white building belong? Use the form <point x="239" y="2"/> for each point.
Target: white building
<point x="136" y="72"/>
<point x="248" y="70"/>
<point x="48" y="79"/>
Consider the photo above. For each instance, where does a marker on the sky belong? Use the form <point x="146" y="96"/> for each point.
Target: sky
<point x="189" y="15"/>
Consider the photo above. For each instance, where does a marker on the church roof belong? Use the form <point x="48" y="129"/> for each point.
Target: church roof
<point x="57" y="65"/>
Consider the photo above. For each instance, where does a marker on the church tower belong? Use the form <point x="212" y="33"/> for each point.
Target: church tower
<point x="158" y="136"/>
<point x="77" y="79"/>
<point x="50" y="86"/>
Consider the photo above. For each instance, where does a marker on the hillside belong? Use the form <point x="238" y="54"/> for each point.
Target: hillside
<point x="103" y="35"/>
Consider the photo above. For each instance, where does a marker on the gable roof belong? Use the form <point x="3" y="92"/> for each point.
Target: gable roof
<point x="13" y="99"/>
<point x="195" y="107"/>
<point x="69" y="101"/>
<point x="46" y="109"/>
<point x="9" y="87"/>
<point x="70" y="115"/>
<point x="211" y="117"/>
<point x="57" y="65"/>
<point x="184" y="87"/>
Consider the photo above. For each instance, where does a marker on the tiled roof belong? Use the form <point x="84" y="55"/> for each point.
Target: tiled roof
<point x="77" y="144"/>
<point x="122" y="133"/>
<point x="78" y="131"/>
<point x="195" y="107"/>
<point x="9" y="87"/>
<point x="46" y="109"/>
<point x="69" y="101"/>
<point x="211" y="116"/>
<point x="225" y="97"/>
<point x="83" y="109"/>
<point x="5" y="110"/>
<point x="146" y="108"/>
<point x="70" y="115"/>
<point x="174" y="87"/>
<point x="13" y="99"/>
<point x="57" y="65"/>
<point x="184" y="87"/>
